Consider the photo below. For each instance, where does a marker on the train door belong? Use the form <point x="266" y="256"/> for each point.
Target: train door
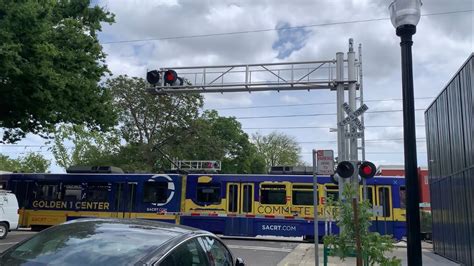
<point x="240" y="198"/>
<point x="240" y="202"/>
<point x="130" y="200"/>
<point x="125" y="199"/>
<point x="384" y="215"/>
<point x="118" y="200"/>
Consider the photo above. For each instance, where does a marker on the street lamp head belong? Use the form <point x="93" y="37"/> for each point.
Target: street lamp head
<point x="405" y="12"/>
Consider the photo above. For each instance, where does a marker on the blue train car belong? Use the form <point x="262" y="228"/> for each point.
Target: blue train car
<point x="282" y="205"/>
<point x="49" y="199"/>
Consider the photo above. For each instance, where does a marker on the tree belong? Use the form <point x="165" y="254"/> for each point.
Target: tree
<point x="277" y="149"/>
<point x="50" y="65"/>
<point x="89" y="147"/>
<point x="148" y="120"/>
<point x="373" y="246"/>
<point x="212" y="137"/>
<point x="30" y="163"/>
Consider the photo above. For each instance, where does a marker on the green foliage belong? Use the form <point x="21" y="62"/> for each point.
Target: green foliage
<point x="88" y="147"/>
<point x="30" y="163"/>
<point x="212" y="137"/>
<point x="425" y="221"/>
<point x="374" y="246"/>
<point x="277" y="149"/>
<point x="147" y="119"/>
<point x="50" y="65"/>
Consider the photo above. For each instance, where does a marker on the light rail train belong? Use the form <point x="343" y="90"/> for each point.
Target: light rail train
<point x="228" y="204"/>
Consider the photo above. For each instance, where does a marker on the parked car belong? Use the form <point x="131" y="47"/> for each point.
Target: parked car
<point x="120" y="242"/>
<point x="8" y="213"/>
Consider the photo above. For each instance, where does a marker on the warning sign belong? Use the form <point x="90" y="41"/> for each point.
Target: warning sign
<point x="325" y="164"/>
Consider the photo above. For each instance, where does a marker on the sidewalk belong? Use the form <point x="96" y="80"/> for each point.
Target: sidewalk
<point x="303" y="255"/>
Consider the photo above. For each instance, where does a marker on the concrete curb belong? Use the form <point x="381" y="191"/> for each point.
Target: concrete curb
<point x="298" y="256"/>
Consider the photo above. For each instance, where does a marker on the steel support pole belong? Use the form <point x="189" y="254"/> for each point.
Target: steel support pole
<point x="409" y="134"/>
<point x="353" y="152"/>
<point x="315" y="198"/>
<point x="361" y="98"/>
<point x="341" y="142"/>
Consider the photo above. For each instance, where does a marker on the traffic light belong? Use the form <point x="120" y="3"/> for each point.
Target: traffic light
<point x="172" y="79"/>
<point x="345" y="169"/>
<point x="153" y="77"/>
<point x="367" y="169"/>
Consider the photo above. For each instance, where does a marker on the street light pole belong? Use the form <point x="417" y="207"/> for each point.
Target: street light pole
<point x="409" y="135"/>
<point x="405" y="15"/>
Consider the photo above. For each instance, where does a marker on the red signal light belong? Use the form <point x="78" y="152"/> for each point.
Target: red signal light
<point x="170" y="76"/>
<point x="367" y="170"/>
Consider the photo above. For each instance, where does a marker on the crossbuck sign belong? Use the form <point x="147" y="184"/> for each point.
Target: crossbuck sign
<point x="352" y="118"/>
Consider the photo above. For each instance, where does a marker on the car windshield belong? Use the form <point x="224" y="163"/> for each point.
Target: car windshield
<point x="89" y="244"/>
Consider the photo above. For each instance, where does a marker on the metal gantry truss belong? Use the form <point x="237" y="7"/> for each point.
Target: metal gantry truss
<point x="305" y="75"/>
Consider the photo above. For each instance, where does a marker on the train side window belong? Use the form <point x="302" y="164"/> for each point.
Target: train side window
<point x="233" y="197"/>
<point x="273" y="194"/>
<point x="384" y="200"/>
<point x="370" y="196"/>
<point x="72" y="192"/>
<point x="247" y="198"/>
<point x="155" y="192"/>
<point x="47" y="192"/>
<point x="403" y="197"/>
<point x="209" y="193"/>
<point x="303" y="195"/>
<point x="370" y="193"/>
<point x="98" y="192"/>
<point x="332" y="192"/>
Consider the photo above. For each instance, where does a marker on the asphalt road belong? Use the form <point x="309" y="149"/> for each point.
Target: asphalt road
<point x="13" y="238"/>
<point x="259" y="252"/>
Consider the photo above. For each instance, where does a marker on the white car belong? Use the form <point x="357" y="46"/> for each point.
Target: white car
<point x="8" y="213"/>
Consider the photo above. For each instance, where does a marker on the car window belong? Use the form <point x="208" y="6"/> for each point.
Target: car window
<point x="216" y="252"/>
<point x="189" y="253"/>
<point x="88" y="244"/>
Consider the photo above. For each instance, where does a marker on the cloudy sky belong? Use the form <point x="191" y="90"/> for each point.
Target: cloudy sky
<point x="442" y="43"/>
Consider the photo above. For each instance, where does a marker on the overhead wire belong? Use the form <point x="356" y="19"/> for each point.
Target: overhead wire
<point x="274" y="29"/>
<point x="317" y="114"/>
<point x="308" y="104"/>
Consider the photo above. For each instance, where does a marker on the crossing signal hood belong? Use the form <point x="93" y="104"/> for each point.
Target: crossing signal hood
<point x="367" y="169"/>
<point x="345" y="169"/>
<point x="153" y="77"/>
<point x="172" y="79"/>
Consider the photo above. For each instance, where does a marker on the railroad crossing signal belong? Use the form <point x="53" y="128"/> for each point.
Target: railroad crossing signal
<point x="352" y="116"/>
<point x="346" y="169"/>
<point x="170" y="78"/>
